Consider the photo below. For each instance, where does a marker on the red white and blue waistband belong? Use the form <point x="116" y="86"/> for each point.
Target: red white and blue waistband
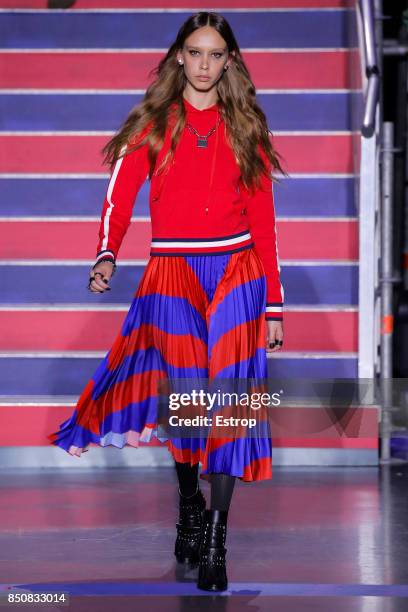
<point x="201" y="246"/>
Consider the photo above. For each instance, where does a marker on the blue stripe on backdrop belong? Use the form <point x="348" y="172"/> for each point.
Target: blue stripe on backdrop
<point x="68" y="375"/>
<point x="61" y="197"/>
<point x="297" y="111"/>
<point x="309" y="197"/>
<point x="240" y="589"/>
<point x="305" y="284"/>
<point x="315" y="197"/>
<point x="151" y="30"/>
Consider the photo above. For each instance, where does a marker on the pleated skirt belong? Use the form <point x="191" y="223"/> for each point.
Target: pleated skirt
<point x="193" y="317"/>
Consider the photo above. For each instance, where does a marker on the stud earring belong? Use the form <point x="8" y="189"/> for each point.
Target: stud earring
<point x="180" y="62"/>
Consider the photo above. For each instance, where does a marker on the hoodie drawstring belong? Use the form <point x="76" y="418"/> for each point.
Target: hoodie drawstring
<point x="212" y="167"/>
<point x="160" y="183"/>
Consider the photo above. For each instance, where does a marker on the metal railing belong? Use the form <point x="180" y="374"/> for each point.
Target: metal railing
<point x="376" y="202"/>
<point x="371" y="69"/>
<point x="369" y="197"/>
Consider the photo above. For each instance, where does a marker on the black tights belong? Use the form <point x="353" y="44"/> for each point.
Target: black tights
<point x="222" y="485"/>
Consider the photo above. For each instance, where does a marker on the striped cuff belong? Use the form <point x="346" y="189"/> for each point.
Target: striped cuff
<point x="274" y="311"/>
<point x="106" y="254"/>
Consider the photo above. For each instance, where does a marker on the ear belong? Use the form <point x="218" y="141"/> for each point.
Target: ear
<point x="230" y="59"/>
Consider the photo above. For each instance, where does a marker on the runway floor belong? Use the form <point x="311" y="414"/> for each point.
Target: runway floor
<point x="321" y="539"/>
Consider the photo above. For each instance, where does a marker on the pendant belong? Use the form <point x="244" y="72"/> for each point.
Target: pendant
<point x="202" y="142"/>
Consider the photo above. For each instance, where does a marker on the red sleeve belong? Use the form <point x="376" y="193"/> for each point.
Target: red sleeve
<point x="262" y="225"/>
<point x="128" y="175"/>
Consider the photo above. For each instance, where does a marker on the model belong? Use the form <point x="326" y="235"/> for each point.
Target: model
<point x="209" y="303"/>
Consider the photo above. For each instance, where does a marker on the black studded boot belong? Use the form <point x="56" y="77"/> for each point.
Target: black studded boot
<point x="212" y="572"/>
<point x="186" y="548"/>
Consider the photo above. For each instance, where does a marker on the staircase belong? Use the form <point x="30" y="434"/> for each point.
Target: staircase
<point x="69" y="78"/>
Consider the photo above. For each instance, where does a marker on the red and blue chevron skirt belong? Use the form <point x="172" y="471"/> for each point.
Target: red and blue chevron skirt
<point x="194" y="316"/>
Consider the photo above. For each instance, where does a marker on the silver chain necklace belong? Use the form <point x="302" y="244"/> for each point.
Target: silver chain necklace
<point x="202" y="141"/>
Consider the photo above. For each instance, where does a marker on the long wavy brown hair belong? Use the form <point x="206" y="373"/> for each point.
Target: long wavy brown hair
<point x="245" y="122"/>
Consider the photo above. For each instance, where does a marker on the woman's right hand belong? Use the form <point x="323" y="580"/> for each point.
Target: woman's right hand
<point x="102" y="274"/>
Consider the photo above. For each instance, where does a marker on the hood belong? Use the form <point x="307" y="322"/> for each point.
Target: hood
<point x="212" y="110"/>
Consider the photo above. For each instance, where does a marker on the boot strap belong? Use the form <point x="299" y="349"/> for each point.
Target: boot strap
<point x="214" y="531"/>
<point x="190" y="507"/>
<point x="213" y="556"/>
<point x="188" y="534"/>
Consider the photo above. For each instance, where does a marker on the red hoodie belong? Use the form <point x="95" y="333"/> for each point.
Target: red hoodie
<point x="197" y="205"/>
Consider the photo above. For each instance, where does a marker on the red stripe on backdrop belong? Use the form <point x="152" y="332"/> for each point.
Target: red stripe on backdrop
<point x="318" y="239"/>
<point x="362" y="443"/>
<point x="361" y="431"/>
<point x="92" y="4"/>
<point x="81" y="4"/>
<point x="93" y="70"/>
<point x="50" y="239"/>
<point x="328" y="425"/>
<point x="64" y="330"/>
<point x="23" y="4"/>
<point x="53" y="240"/>
<point x="82" y="154"/>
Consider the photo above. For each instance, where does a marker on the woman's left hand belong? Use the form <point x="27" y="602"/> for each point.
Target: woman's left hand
<point x="274" y="332"/>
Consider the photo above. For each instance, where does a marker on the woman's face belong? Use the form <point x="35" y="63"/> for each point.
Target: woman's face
<point x="205" y="54"/>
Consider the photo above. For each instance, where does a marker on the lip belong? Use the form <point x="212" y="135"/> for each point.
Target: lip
<point x="203" y="78"/>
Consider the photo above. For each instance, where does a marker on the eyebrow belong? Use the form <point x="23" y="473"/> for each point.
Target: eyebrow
<point x="216" y="49"/>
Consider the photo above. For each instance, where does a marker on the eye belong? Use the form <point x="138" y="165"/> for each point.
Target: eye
<point x="216" y="53"/>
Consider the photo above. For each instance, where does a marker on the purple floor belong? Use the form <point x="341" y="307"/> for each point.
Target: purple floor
<point x="309" y="539"/>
